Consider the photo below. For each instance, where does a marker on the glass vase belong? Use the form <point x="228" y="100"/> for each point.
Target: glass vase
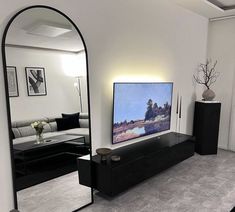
<point x="39" y="138"/>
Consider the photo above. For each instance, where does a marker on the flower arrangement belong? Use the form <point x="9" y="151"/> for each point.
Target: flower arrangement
<point x="39" y="127"/>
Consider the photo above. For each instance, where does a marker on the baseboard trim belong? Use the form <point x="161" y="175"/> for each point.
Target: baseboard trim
<point x="223" y="147"/>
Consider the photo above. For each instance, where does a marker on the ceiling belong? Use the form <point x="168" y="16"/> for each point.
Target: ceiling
<point x="209" y="8"/>
<point x="44" y="28"/>
<point x="19" y="33"/>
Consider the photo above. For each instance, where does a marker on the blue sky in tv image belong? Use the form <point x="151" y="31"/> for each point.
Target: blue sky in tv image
<point x="130" y="99"/>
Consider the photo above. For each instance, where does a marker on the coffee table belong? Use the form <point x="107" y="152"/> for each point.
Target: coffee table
<point x="50" y="141"/>
<point x="36" y="163"/>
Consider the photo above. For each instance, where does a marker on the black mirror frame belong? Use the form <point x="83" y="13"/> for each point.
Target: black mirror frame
<point x="8" y="102"/>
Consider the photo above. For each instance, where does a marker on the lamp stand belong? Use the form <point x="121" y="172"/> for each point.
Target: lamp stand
<point x="79" y="91"/>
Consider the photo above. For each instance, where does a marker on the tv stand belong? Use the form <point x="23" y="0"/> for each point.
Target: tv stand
<point x="138" y="162"/>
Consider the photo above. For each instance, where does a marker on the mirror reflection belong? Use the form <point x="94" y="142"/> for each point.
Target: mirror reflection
<point x="47" y="83"/>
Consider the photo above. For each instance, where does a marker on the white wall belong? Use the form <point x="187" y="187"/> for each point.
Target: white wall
<point x="221" y="47"/>
<point x="62" y="96"/>
<point x="164" y="43"/>
<point x="127" y="40"/>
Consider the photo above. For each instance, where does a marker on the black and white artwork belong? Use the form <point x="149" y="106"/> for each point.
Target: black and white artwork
<point x="36" y="81"/>
<point x="12" y="81"/>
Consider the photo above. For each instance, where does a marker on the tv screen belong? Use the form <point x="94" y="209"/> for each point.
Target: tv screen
<point x="140" y="109"/>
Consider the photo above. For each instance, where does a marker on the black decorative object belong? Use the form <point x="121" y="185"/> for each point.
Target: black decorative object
<point x="103" y="153"/>
<point x="180" y="110"/>
<point x="138" y="162"/>
<point x="180" y="113"/>
<point x="177" y="112"/>
<point x="206" y="127"/>
<point x="36" y="81"/>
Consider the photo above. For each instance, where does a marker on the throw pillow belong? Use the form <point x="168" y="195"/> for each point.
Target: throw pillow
<point x="67" y="123"/>
<point x="64" y="115"/>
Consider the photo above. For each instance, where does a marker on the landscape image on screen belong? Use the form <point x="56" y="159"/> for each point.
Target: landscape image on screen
<point x="140" y="109"/>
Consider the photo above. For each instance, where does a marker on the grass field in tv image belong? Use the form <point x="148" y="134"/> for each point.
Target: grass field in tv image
<point x="141" y="109"/>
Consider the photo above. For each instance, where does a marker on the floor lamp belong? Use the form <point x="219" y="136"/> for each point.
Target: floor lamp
<point x="77" y="85"/>
<point x="75" y="66"/>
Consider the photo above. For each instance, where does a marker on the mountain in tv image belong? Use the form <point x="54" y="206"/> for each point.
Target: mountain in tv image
<point x="140" y="110"/>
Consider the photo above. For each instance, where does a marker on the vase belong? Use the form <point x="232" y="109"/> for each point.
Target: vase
<point x="208" y="95"/>
<point x="39" y="138"/>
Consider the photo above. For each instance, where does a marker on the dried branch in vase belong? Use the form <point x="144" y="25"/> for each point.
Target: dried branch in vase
<point x="207" y="75"/>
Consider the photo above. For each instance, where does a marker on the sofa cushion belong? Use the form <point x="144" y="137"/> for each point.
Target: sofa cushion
<point x="24" y="123"/>
<point x="67" y="123"/>
<point x="28" y="130"/>
<point x="53" y="126"/>
<point x="80" y="131"/>
<point x="23" y="128"/>
<point x="83" y="116"/>
<point x="84" y="123"/>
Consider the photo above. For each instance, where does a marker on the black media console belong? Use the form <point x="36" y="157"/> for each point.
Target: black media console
<point x="138" y="162"/>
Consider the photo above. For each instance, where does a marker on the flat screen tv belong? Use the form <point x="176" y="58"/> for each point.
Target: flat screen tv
<point x="140" y="109"/>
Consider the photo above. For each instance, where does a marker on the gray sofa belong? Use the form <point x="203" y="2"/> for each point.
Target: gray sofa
<point x="23" y="131"/>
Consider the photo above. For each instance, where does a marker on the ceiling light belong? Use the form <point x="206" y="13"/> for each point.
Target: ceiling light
<point x="48" y="29"/>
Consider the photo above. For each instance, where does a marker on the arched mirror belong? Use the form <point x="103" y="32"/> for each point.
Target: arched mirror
<point x="46" y="77"/>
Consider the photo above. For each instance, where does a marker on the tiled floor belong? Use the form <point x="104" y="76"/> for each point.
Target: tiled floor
<point x="62" y="194"/>
<point x="198" y="184"/>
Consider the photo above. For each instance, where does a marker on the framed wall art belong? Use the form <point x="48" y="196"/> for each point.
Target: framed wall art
<point x="36" y="81"/>
<point x="12" y="81"/>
